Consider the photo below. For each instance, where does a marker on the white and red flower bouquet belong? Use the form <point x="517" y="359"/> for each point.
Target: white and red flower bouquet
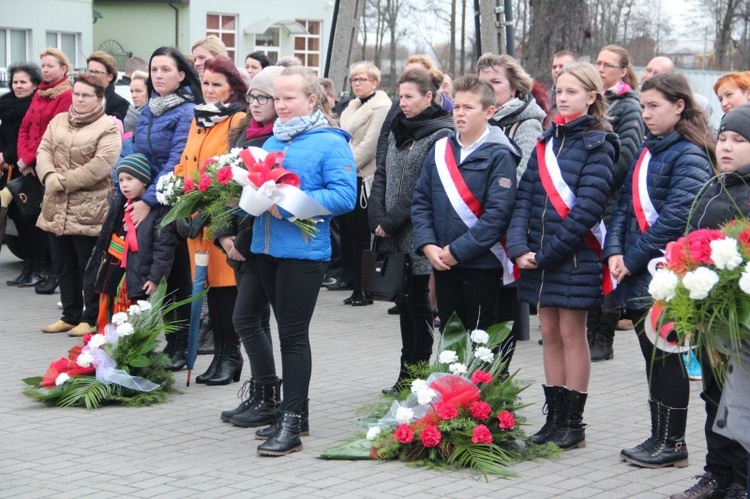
<point x="701" y="289"/>
<point x="460" y="412"/>
<point x="119" y="365"/>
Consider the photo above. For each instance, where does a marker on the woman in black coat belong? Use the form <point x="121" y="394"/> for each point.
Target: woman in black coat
<point x="551" y="239"/>
<point x="673" y="165"/>
<point x="13" y="106"/>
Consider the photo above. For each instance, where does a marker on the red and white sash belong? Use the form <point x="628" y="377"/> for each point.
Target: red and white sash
<point x="467" y="206"/>
<point x="645" y="212"/>
<point x="564" y="199"/>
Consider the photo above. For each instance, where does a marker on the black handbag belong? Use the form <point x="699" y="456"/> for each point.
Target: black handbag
<point x="385" y="276"/>
<point x="27" y="196"/>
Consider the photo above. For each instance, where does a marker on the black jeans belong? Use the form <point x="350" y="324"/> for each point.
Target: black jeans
<point x="415" y="317"/>
<point x="292" y="287"/>
<point x="726" y="459"/>
<point x="667" y="379"/>
<point x="71" y="255"/>
<point x="180" y="287"/>
<point x="509" y="309"/>
<point x="470" y="293"/>
<point x="355" y="238"/>
<point x="221" y="302"/>
<point x="34" y="241"/>
<point x="252" y="321"/>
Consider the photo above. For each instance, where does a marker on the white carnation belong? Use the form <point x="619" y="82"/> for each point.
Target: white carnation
<point x="119" y="318"/>
<point x="84" y="359"/>
<point x="447" y="356"/>
<point x="480" y="336"/>
<point x="745" y="280"/>
<point x="144" y="305"/>
<point x="373" y="432"/>
<point x="125" y="329"/>
<point x="418" y="384"/>
<point x="61" y="378"/>
<point x="404" y="415"/>
<point x="134" y="310"/>
<point x="97" y="341"/>
<point x="724" y="253"/>
<point x="663" y="285"/>
<point x="484" y="354"/>
<point x="700" y="282"/>
<point x="425" y="395"/>
<point x="458" y="369"/>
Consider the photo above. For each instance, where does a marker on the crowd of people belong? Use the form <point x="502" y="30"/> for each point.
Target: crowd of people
<point x="504" y="195"/>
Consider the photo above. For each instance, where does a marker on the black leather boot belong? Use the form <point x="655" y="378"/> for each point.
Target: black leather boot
<point x="206" y="338"/>
<point x="601" y="348"/>
<point x="265" y="433"/>
<point x="218" y="341"/>
<point x="403" y="374"/>
<point x="263" y="408"/>
<point x="654" y="407"/>
<point x="246" y="395"/>
<point x="571" y="433"/>
<point x="230" y="365"/>
<point x="179" y="355"/>
<point x="33" y="279"/>
<point x="25" y="273"/>
<point x="669" y="449"/>
<point x="553" y="406"/>
<point x="285" y="439"/>
<point x="47" y="287"/>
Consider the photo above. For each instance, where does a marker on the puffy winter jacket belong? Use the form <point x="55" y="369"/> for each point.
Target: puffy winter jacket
<point x="363" y="122"/>
<point x="627" y="122"/>
<point x="677" y="171"/>
<point x="489" y="173"/>
<point x="324" y="162"/>
<point x="48" y="102"/>
<point x="521" y="120"/>
<point x="12" y="111"/>
<point x="162" y="139"/>
<point x="720" y="200"/>
<point x="570" y="272"/>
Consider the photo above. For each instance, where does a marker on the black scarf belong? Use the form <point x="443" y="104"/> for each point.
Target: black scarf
<point x="12" y="108"/>
<point x="427" y="122"/>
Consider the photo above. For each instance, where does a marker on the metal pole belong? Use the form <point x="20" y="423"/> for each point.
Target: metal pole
<point x="477" y="29"/>
<point x="510" y="43"/>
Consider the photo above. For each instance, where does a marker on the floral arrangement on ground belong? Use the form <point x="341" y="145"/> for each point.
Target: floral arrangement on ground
<point x="701" y="289"/>
<point x="119" y="365"/>
<point x="460" y="412"/>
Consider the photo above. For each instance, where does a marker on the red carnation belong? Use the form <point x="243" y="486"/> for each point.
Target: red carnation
<point x="224" y="175"/>
<point x="507" y="421"/>
<point x="700" y="244"/>
<point x="205" y="183"/>
<point x="430" y="436"/>
<point x="403" y="434"/>
<point x="481" y="377"/>
<point x="86" y="339"/>
<point x="206" y="164"/>
<point x="481" y="435"/>
<point x="480" y="410"/>
<point x="189" y="185"/>
<point x="446" y="411"/>
<point x="744" y="239"/>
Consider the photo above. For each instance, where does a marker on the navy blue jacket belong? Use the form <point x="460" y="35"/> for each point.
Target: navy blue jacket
<point x="570" y="272"/>
<point x="725" y="198"/>
<point x="490" y="174"/>
<point x="677" y="171"/>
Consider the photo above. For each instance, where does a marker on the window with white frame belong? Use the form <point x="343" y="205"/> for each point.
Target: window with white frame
<point x="13" y="46"/>
<point x="268" y="44"/>
<point x="67" y="42"/>
<point x="307" y="47"/>
<point x="224" y="26"/>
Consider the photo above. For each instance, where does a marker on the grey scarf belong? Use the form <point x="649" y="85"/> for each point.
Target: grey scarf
<point x="299" y="125"/>
<point x="160" y="105"/>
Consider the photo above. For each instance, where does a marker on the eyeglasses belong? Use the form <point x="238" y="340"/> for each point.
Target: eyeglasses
<point x="77" y="95"/>
<point x="606" y="65"/>
<point x="358" y="81"/>
<point x="95" y="72"/>
<point x="262" y="99"/>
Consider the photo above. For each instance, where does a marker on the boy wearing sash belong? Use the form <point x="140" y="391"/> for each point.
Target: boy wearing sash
<point x="462" y="206"/>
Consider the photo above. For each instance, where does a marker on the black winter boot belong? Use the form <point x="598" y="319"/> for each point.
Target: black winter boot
<point x="285" y="439"/>
<point x="601" y="348"/>
<point x="265" y="433"/>
<point x="179" y="354"/>
<point x="654" y="407"/>
<point x="47" y="287"/>
<point x="262" y="408"/>
<point x="553" y="406"/>
<point x="25" y="273"/>
<point x="246" y="395"/>
<point x="218" y="341"/>
<point x="669" y="449"/>
<point x="570" y="433"/>
<point x="230" y="364"/>
<point x="403" y="374"/>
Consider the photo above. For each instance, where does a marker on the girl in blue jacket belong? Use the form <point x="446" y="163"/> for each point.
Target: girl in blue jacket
<point x="291" y="265"/>
<point x="553" y="239"/>
<point x="672" y="164"/>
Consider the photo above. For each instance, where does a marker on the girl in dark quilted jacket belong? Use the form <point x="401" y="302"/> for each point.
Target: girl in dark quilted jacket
<point x="556" y="238"/>
<point x="670" y="168"/>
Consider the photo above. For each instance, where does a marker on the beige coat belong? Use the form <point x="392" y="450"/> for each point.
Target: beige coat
<point x="364" y="122"/>
<point x="84" y="149"/>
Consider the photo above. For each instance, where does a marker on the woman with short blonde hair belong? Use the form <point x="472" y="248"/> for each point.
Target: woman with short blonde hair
<point x="207" y="48"/>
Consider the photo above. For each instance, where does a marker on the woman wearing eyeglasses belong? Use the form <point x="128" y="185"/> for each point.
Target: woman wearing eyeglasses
<point x="363" y="118"/>
<point x="620" y="82"/>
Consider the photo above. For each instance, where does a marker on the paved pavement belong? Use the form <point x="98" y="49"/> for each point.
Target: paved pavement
<point x="181" y="449"/>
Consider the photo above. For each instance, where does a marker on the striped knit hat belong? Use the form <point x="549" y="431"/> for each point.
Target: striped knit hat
<point x="136" y="165"/>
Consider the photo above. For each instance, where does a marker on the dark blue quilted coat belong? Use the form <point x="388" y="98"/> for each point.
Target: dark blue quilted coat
<point x="677" y="171"/>
<point x="570" y="273"/>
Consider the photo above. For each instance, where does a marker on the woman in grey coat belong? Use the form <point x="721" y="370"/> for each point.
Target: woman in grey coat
<point x="416" y="128"/>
